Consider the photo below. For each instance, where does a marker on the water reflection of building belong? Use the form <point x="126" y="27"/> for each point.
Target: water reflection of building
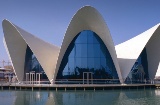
<point x="137" y="97"/>
<point x="114" y="97"/>
<point x="88" y="97"/>
<point x="30" y="98"/>
<point x="52" y="99"/>
<point x="7" y="97"/>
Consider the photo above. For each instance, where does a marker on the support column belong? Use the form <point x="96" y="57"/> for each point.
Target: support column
<point x="30" y="78"/>
<point x="87" y="78"/>
<point x="39" y="77"/>
<point x="83" y="77"/>
<point x="36" y="77"/>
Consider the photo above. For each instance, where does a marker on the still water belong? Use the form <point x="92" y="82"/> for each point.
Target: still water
<point x="108" y="97"/>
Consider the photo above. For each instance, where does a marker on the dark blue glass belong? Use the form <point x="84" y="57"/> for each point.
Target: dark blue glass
<point x="139" y="71"/>
<point x="87" y="53"/>
<point x="32" y="65"/>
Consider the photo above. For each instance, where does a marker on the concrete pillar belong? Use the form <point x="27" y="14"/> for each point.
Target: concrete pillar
<point x="30" y="78"/>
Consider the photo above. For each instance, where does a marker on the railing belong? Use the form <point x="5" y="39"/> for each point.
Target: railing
<point x="87" y="81"/>
<point x="80" y="81"/>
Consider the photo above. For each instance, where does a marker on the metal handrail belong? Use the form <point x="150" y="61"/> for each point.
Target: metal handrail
<point x="80" y="81"/>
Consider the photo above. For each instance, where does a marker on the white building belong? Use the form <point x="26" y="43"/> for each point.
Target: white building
<point x="87" y="53"/>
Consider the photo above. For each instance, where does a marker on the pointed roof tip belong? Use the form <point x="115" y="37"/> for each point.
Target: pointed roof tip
<point x="86" y="6"/>
<point x="158" y="24"/>
<point x="4" y="21"/>
<point x="7" y="22"/>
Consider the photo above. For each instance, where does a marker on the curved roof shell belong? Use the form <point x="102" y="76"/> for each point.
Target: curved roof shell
<point x="16" y="41"/>
<point x="50" y="56"/>
<point x="88" y="18"/>
<point x="129" y="51"/>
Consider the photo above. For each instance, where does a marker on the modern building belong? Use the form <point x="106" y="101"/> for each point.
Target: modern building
<point x="87" y="54"/>
<point x="139" y="57"/>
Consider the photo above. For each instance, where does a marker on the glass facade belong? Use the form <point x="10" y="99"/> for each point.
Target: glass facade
<point x="32" y="65"/>
<point x="139" y="71"/>
<point x="87" y="54"/>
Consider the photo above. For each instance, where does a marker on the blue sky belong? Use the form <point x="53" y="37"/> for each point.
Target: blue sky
<point x="49" y="19"/>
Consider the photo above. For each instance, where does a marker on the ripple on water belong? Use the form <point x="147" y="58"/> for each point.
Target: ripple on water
<point x="109" y="97"/>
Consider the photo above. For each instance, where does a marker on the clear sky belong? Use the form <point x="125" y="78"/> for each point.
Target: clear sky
<point x="49" y="19"/>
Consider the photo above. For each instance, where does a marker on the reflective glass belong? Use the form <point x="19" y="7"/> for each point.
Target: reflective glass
<point x="139" y="71"/>
<point x="72" y="54"/>
<point x="96" y="50"/>
<point x="71" y="65"/>
<point x="32" y="65"/>
<point x="90" y="63"/>
<point x="78" y="50"/>
<point x="90" y="39"/>
<point x="87" y="53"/>
<point x="90" y="50"/>
<point x="83" y="50"/>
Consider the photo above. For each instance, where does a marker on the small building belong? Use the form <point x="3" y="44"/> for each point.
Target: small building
<point x="6" y="74"/>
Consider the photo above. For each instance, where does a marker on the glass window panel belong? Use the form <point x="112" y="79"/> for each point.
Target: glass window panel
<point x="78" y="50"/>
<point x="83" y="50"/>
<point x="79" y="39"/>
<point x="84" y="63"/>
<point x="103" y="62"/>
<point x="97" y="50"/>
<point x="71" y="65"/>
<point x="95" y="39"/>
<point x="90" y="50"/>
<point x="72" y="54"/>
<point x="65" y="71"/>
<point x="90" y="63"/>
<point x="78" y="62"/>
<point x="82" y="38"/>
<point x="90" y="37"/>
<point x="97" y="63"/>
<point x="102" y="51"/>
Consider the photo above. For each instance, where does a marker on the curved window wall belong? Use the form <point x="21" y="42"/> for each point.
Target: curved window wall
<point x="87" y="55"/>
<point x="33" y="66"/>
<point x="139" y="71"/>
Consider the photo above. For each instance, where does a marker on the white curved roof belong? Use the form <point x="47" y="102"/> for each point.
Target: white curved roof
<point x="16" y="41"/>
<point x="88" y="18"/>
<point x="129" y="51"/>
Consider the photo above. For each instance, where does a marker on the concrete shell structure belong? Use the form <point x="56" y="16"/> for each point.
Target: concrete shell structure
<point x="50" y="57"/>
<point x="129" y="51"/>
<point x="88" y="18"/>
<point x="16" y="41"/>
